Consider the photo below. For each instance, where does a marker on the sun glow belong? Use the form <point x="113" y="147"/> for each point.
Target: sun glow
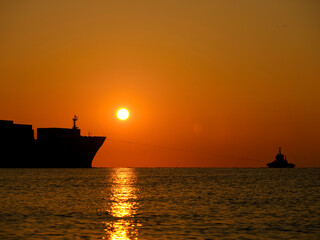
<point x="123" y="114"/>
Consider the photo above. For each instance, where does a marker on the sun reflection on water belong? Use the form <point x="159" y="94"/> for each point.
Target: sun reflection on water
<point x="122" y="205"/>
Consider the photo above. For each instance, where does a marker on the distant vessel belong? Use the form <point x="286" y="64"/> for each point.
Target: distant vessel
<point x="53" y="148"/>
<point x="280" y="162"/>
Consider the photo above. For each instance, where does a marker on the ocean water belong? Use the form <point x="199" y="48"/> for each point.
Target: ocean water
<point x="160" y="203"/>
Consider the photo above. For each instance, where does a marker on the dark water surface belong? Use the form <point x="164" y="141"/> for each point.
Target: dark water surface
<point x="159" y="203"/>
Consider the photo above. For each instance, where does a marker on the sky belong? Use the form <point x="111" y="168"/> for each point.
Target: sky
<point x="207" y="83"/>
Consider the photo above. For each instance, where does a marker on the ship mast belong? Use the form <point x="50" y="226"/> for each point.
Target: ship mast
<point x="75" y="118"/>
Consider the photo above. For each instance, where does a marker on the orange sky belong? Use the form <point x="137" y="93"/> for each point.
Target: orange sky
<point x="236" y="78"/>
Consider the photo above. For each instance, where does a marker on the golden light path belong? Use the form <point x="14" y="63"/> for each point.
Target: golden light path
<point x="123" y="205"/>
<point x="123" y="114"/>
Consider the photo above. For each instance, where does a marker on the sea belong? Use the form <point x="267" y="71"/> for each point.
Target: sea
<point x="160" y="203"/>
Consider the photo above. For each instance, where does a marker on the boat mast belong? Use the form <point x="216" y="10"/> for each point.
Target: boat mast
<point x="279" y="150"/>
<point x="75" y="118"/>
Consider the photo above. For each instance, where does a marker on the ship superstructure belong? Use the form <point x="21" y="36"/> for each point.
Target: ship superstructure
<point x="53" y="148"/>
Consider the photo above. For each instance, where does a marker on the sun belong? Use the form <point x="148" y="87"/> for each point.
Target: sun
<point x="123" y="114"/>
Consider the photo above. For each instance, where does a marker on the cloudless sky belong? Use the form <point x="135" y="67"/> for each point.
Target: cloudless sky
<point x="226" y="78"/>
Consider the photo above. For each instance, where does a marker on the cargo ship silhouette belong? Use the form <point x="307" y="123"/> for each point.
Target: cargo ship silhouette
<point x="53" y="148"/>
<point x="280" y="162"/>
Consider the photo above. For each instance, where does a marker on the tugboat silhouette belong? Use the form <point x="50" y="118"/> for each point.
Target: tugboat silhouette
<point x="280" y="162"/>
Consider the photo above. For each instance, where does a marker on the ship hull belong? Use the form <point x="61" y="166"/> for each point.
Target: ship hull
<point x="67" y="153"/>
<point x="272" y="165"/>
<point x="73" y="153"/>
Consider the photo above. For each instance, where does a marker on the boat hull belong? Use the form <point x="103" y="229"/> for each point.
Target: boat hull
<point x="273" y="165"/>
<point x="75" y="152"/>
